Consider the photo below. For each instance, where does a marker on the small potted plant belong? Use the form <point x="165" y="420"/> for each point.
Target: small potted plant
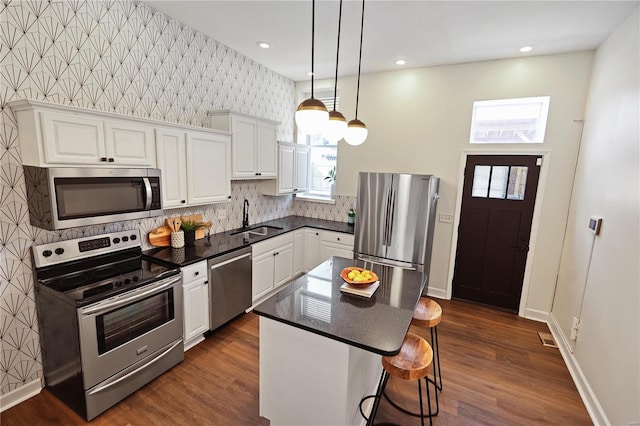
<point x="331" y="178"/>
<point x="351" y="216"/>
<point x="190" y="227"/>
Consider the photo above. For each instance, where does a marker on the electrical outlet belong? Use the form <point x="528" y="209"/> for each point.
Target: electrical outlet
<point x="222" y="214"/>
<point x="446" y="217"/>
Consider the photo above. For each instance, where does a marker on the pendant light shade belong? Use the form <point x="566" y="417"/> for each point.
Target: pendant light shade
<point x="357" y="132"/>
<point x="312" y="115"/>
<point x="335" y="128"/>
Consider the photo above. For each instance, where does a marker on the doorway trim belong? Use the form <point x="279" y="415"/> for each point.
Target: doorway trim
<point x="523" y="310"/>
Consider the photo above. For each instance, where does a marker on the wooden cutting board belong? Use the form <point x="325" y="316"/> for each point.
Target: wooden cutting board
<point x="160" y="237"/>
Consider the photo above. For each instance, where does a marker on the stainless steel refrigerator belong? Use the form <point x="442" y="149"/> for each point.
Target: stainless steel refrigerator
<point x="395" y="219"/>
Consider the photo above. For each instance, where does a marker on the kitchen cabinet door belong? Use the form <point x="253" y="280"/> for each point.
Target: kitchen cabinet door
<point x="312" y="240"/>
<point x="72" y="139"/>
<point x="129" y="144"/>
<point x="301" y="183"/>
<point x="267" y="147"/>
<point x="208" y="168"/>
<point x="196" y="310"/>
<point x="298" y="252"/>
<point x="262" y="274"/>
<point x="245" y="134"/>
<point x="283" y="266"/>
<point x="172" y="161"/>
<point x="327" y="250"/>
<point x="286" y="173"/>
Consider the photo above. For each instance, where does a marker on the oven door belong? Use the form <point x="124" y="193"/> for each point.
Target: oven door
<point x="117" y="332"/>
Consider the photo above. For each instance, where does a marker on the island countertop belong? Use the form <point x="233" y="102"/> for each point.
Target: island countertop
<point x="314" y="302"/>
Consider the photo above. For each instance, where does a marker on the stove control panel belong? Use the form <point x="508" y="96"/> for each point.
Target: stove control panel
<point x="80" y="248"/>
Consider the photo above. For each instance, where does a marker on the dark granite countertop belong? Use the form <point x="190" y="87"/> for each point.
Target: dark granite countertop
<point x="314" y="302"/>
<point x="225" y="242"/>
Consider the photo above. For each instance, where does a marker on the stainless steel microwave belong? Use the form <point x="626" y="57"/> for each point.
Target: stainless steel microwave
<point x="61" y="197"/>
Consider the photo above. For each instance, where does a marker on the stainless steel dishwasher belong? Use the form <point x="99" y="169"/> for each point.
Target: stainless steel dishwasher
<point x="229" y="286"/>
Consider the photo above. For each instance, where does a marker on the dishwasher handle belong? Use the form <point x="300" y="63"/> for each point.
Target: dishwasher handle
<point x="213" y="265"/>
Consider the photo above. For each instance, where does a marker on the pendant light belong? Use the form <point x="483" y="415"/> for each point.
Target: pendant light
<point x="337" y="124"/>
<point x="357" y="132"/>
<point x="312" y="115"/>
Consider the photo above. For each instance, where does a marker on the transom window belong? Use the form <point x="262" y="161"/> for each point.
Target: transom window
<point x="520" y="120"/>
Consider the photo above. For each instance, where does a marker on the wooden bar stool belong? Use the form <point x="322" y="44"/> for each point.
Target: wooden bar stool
<point x="428" y="314"/>
<point x="412" y="363"/>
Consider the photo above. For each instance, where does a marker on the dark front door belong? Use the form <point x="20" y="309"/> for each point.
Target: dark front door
<point x="498" y="197"/>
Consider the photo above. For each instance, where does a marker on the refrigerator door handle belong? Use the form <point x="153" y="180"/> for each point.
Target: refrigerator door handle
<point x="385" y="237"/>
<point x="392" y="213"/>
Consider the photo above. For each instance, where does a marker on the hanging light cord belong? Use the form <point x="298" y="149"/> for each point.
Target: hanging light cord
<point x="335" y="88"/>
<point x="313" y="34"/>
<point x="360" y="60"/>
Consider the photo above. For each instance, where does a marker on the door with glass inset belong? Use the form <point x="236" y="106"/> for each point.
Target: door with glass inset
<point x="498" y="198"/>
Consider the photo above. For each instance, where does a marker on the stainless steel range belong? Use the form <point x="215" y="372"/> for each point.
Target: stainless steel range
<point x="110" y="319"/>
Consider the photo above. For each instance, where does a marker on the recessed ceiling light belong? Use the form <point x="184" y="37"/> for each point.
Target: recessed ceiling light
<point x="526" y="49"/>
<point x="400" y="62"/>
<point x="263" y="44"/>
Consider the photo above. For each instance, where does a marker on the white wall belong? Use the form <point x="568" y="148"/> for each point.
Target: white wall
<point x="605" y="268"/>
<point x="419" y="122"/>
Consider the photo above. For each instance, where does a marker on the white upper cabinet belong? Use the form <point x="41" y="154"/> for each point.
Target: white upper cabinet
<point x="171" y="146"/>
<point x="195" y="167"/>
<point x="59" y="135"/>
<point x="254" y="144"/>
<point x="130" y="144"/>
<point x="208" y="164"/>
<point x="293" y="171"/>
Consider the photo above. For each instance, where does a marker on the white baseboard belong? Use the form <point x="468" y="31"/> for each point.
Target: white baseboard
<point x="437" y="293"/>
<point x="536" y="315"/>
<point x="597" y="414"/>
<point x="20" y="394"/>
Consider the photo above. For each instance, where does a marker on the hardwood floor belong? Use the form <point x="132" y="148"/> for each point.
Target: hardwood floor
<point x="495" y="372"/>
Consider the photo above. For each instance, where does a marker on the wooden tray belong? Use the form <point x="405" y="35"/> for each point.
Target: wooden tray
<point x="345" y="272"/>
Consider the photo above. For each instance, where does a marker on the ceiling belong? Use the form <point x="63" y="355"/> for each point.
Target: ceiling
<point x="424" y="33"/>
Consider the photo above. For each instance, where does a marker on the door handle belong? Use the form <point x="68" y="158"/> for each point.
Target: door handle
<point x="518" y="248"/>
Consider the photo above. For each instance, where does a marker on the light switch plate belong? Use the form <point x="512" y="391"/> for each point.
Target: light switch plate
<point x="222" y="214"/>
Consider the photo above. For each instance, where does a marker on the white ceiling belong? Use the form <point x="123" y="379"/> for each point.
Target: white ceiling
<point x="425" y="33"/>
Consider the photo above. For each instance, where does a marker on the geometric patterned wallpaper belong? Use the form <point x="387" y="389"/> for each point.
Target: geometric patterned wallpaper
<point x="123" y="57"/>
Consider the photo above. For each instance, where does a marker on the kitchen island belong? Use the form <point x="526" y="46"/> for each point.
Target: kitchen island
<point x="320" y="348"/>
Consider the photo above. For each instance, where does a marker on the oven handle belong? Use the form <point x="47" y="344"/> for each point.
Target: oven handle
<point x="115" y="380"/>
<point x="101" y="307"/>
<point x="149" y="198"/>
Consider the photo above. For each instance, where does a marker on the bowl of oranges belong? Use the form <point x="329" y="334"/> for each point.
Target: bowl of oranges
<point x="358" y="277"/>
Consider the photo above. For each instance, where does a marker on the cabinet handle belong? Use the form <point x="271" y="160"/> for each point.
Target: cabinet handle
<point x="205" y="283"/>
<point x="338" y="238"/>
<point x="183" y="201"/>
<point x="295" y="189"/>
<point x="196" y="273"/>
<point x="111" y="160"/>
<point x="229" y="197"/>
<point x="317" y="233"/>
<point x="103" y="159"/>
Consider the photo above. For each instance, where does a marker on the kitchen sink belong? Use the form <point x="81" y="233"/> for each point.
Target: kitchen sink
<point x="259" y="231"/>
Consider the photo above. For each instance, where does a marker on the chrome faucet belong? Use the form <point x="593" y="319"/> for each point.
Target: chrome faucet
<point x="245" y="214"/>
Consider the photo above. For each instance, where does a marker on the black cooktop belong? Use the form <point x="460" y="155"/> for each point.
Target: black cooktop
<point x="100" y="277"/>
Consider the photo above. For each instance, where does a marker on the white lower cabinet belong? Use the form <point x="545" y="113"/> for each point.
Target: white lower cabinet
<point x="272" y="264"/>
<point x="321" y="245"/>
<point x="298" y="252"/>
<point x="195" y="293"/>
<point x="336" y="244"/>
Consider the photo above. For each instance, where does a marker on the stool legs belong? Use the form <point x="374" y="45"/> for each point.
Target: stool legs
<point x="378" y="396"/>
<point x="437" y="372"/>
